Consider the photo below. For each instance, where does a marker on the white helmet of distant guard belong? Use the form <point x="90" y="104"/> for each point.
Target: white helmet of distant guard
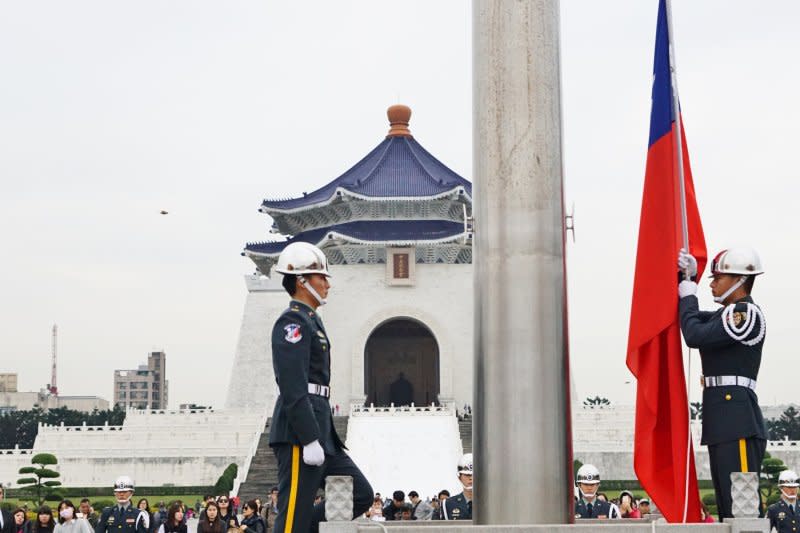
<point x="588" y="474"/>
<point x="465" y="464"/>
<point x="123" y="484"/>
<point x="301" y="258"/>
<point x="788" y="480"/>
<point x="737" y="261"/>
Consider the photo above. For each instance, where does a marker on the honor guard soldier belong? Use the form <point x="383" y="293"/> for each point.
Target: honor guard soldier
<point x="588" y="506"/>
<point x="459" y="507"/>
<point x="784" y="517"/>
<point x="302" y="434"/>
<point x="122" y="517"/>
<point x="730" y="342"/>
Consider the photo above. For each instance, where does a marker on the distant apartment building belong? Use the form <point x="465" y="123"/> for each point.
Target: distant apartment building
<point x="145" y="387"/>
<point x="8" y="382"/>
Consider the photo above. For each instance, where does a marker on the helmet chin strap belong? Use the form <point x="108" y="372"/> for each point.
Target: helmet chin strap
<point x="320" y="300"/>
<point x="787" y="496"/>
<point x="724" y="296"/>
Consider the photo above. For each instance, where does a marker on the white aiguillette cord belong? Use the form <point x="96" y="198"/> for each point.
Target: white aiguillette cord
<point x="740" y="333"/>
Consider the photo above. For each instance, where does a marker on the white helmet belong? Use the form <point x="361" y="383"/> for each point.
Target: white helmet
<point x="588" y="474"/>
<point x="123" y="484"/>
<point x="788" y="478"/>
<point x="465" y="464"/>
<point x="741" y="261"/>
<point x="302" y="258"/>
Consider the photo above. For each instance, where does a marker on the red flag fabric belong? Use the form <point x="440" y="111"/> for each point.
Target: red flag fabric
<point x="654" y="341"/>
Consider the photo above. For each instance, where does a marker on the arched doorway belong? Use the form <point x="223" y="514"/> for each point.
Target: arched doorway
<point x="401" y="364"/>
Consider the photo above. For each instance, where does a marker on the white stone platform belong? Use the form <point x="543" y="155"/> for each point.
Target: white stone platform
<point x="406" y="448"/>
<point x="187" y="448"/>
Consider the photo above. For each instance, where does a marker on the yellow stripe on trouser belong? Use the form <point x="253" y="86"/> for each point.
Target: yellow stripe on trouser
<point x="293" y="488"/>
<point x="743" y="454"/>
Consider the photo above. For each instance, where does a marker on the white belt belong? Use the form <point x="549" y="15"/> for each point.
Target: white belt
<point x="319" y="390"/>
<point x="724" y="381"/>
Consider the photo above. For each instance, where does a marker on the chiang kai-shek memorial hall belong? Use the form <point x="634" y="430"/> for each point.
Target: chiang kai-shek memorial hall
<point x="400" y="308"/>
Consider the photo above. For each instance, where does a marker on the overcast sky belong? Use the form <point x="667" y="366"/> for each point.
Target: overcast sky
<point x="112" y="111"/>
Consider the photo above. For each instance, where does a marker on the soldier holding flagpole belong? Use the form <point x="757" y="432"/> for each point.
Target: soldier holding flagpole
<point x="730" y="341"/>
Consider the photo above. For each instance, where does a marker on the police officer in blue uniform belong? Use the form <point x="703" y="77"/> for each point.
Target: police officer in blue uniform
<point x="122" y="517"/>
<point x="730" y="341"/>
<point x="459" y="507"/>
<point x="784" y="516"/>
<point x="588" y="506"/>
<point x="302" y="434"/>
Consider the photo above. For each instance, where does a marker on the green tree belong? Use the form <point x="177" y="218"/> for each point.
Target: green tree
<point x="43" y="485"/>
<point x="224" y="484"/>
<point x="773" y="429"/>
<point x="791" y="421"/>
<point x="19" y="428"/>
<point x="785" y="427"/>
<point x="597" y="400"/>
<point x="771" y="468"/>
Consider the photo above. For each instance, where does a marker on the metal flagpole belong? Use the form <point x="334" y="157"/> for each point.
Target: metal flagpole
<point x="676" y="110"/>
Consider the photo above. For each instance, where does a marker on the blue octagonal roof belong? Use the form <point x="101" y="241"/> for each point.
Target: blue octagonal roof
<point x="399" y="167"/>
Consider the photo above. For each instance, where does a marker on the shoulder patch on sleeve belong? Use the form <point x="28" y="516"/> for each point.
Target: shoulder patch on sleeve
<point x="293" y="333"/>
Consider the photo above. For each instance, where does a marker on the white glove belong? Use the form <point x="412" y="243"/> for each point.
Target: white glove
<point x="687" y="263"/>
<point x="687" y="288"/>
<point x="313" y="454"/>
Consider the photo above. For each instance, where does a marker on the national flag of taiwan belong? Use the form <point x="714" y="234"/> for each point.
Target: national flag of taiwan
<point x="654" y="339"/>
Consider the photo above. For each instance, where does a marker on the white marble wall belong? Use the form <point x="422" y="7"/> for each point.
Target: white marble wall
<point x="252" y="384"/>
<point x="154" y="447"/>
<point x="603" y="436"/>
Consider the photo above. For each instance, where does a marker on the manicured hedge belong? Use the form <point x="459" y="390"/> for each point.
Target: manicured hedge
<point x="89" y="492"/>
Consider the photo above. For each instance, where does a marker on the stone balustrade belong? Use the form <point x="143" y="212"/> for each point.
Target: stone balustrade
<point x="361" y="409"/>
<point x="17" y="451"/>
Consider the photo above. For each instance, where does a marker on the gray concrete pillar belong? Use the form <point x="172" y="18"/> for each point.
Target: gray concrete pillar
<point x="521" y="430"/>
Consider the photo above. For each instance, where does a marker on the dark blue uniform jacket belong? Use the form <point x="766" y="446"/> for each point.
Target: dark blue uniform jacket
<point x="301" y="355"/>
<point x="457" y="508"/>
<point x="782" y="518"/>
<point x="117" y="520"/>
<point x="729" y="412"/>
<point x="599" y="508"/>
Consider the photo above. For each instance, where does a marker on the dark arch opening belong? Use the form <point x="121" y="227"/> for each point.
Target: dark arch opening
<point x="401" y="364"/>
